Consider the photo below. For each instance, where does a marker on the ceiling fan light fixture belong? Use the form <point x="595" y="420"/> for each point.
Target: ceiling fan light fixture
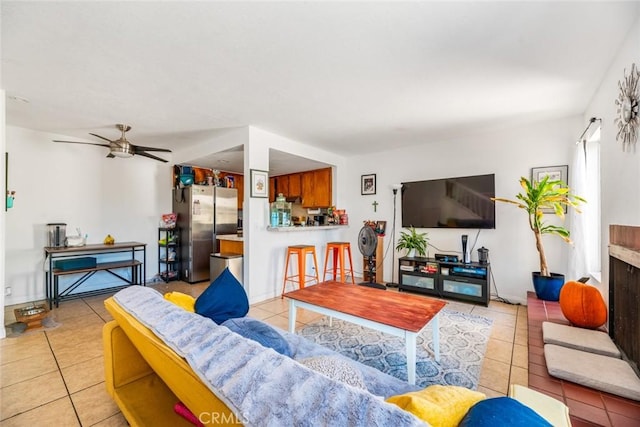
<point x="121" y="153"/>
<point x="120" y="149"/>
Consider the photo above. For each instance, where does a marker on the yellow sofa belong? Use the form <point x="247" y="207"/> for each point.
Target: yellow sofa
<point x="148" y="378"/>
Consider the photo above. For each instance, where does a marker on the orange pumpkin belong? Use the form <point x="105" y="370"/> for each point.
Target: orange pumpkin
<point x="583" y="305"/>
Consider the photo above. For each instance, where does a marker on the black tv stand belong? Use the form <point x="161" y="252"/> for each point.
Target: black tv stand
<point x="455" y="280"/>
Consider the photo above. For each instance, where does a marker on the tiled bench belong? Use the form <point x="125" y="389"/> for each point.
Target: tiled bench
<point x="587" y="407"/>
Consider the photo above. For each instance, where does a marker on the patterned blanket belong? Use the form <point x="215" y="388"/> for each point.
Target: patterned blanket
<point x="261" y="386"/>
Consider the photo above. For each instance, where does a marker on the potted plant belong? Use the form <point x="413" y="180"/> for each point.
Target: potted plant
<point x="414" y="242"/>
<point x="535" y="199"/>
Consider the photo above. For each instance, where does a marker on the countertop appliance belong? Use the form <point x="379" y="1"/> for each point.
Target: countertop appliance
<point x="483" y="255"/>
<point x="203" y="211"/>
<point x="57" y="233"/>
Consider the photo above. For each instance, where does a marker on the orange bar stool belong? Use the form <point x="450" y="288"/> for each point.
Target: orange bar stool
<point x="338" y="249"/>
<point x="301" y="251"/>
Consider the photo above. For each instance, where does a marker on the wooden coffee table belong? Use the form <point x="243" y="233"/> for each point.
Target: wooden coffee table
<point x="400" y="314"/>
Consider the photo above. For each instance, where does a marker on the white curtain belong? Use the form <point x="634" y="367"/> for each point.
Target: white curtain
<point x="584" y="181"/>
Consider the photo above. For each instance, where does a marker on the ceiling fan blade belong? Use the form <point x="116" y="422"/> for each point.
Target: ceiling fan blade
<point x="98" y="136"/>
<point x="110" y="156"/>
<point x="138" y="148"/>
<point x="151" y="156"/>
<point x="79" y="142"/>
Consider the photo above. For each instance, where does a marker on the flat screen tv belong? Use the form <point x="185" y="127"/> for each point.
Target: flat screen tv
<point x="463" y="202"/>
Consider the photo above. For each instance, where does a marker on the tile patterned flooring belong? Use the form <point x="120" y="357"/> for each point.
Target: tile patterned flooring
<point x="57" y="374"/>
<point x="587" y="407"/>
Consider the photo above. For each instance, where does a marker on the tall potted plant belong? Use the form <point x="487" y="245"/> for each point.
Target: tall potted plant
<point x="536" y="197"/>
<point x="414" y="242"/>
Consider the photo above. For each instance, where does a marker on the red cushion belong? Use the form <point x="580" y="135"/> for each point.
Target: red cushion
<point x="181" y="409"/>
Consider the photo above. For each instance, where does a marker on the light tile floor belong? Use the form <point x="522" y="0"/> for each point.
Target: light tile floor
<point x="57" y="374"/>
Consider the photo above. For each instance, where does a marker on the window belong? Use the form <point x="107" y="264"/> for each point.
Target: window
<point x="585" y="227"/>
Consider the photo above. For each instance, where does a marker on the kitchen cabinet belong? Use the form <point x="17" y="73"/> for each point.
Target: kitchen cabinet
<point x="231" y="244"/>
<point x="316" y="188"/>
<point x="272" y="189"/>
<point x="240" y="187"/>
<point x="295" y="185"/>
<point x="289" y="185"/>
<point x="282" y="185"/>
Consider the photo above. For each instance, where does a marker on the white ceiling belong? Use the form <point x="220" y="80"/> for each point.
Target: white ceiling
<point x="344" y="76"/>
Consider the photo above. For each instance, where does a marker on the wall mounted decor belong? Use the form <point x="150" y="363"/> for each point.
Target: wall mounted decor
<point x="368" y="184"/>
<point x="555" y="173"/>
<point x="627" y="114"/>
<point x="259" y="183"/>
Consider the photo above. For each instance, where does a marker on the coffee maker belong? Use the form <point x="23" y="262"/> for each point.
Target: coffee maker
<point x="57" y="234"/>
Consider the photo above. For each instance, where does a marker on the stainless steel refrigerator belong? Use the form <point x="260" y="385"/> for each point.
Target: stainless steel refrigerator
<point x="203" y="211"/>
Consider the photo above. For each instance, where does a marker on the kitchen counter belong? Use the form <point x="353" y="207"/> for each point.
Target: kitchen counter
<point x="307" y="228"/>
<point x="231" y="243"/>
<point x="230" y="237"/>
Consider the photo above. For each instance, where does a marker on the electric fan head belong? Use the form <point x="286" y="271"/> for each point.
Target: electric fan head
<point x="367" y="241"/>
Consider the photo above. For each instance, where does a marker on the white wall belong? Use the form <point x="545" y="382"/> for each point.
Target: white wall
<point x="508" y="154"/>
<point x="3" y="218"/>
<point x="620" y="170"/>
<point x="77" y="185"/>
<point x="213" y="142"/>
<point x="264" y="256"/>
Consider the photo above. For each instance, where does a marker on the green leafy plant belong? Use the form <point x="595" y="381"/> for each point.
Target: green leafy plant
<point x="537" y="197"/>
<point x="413" y="240"/>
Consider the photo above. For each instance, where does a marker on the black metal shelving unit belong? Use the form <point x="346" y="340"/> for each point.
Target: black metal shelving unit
<point x="169" y="253"/>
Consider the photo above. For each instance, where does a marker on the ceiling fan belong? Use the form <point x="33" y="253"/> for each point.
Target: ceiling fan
<point x="121" y="147"/>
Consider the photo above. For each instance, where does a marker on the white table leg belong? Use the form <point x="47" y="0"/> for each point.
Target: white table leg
<point x="436" y="337"/>
<point x="292" y="316"/>
<point x="410" y="343"/>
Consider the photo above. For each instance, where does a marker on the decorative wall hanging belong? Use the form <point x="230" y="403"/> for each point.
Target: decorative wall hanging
<point x="627" y="113"/>
<point x="555" y="173"/>
<point x="259" y="183"/>
<point x="368" y="184"/>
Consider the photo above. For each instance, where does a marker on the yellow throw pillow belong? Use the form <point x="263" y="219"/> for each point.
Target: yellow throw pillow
<point x="182" y="300"/>
<point x="439" y="405"/>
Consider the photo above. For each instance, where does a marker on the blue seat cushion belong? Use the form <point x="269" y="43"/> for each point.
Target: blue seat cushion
<point x="260" y="332"/>
<point x="224" y="299"/>
<point x="502" y="411"/>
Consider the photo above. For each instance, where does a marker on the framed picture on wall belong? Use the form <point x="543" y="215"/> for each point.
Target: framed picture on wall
<point x="368" y="184"/>
<point x="555" y="173"/>
<point x="259" y="183"/>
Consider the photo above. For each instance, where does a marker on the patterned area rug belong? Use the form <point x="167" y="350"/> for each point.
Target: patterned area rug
<point x="463" y="341"/>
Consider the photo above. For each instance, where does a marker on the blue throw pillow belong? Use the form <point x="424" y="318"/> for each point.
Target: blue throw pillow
<point x="224" y="299"/>
<point x="260" y="332"/>
<point x="502" y="411"/>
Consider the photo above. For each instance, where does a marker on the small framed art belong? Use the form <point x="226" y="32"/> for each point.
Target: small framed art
<point x="555" y="173"/>
<point x="368" y="184"/>
<point x="259" y="183"/>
